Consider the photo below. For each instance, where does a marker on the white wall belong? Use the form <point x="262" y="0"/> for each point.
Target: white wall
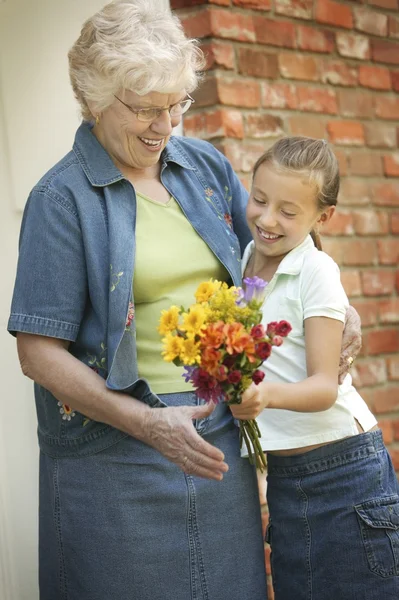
<point x="38" y="117"/>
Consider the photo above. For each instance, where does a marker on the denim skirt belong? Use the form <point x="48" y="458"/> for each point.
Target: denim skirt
<point x="127" y="524"/>
<point x="334" y="522"/>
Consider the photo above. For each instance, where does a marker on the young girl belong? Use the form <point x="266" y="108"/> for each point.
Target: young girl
<point x="332" y="491"/>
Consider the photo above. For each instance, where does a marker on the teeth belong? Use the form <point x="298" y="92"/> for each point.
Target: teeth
<point x="151" y="142"/>
<point x="268" y="236"/>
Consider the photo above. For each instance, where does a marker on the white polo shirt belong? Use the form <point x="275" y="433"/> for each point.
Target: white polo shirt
<point x="306" y="284"/>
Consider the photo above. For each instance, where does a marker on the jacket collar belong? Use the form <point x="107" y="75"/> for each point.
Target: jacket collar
<point x="100" y="168"/>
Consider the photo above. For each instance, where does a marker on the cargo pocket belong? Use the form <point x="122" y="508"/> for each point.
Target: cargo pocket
<point x="379" y="526"/>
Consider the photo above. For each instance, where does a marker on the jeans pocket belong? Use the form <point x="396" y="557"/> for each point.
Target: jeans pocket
<point x="379" y="526"/>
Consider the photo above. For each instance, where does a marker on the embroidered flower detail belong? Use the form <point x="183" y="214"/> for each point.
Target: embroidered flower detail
<point x="130" y="316"/>
<point x="98" y="363"/>
<point x="66" y="411"/>
<point x="115" y="279"/>
<point x="228" y="220"/>
<point x="227" y="195"/>
<point x="209" y="192"/>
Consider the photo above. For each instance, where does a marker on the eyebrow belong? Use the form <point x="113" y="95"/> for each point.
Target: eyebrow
<point x="259" y="192"/>
<point x="152" y="106"/>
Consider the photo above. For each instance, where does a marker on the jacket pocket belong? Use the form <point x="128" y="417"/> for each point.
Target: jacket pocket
<point x="379" y="526"/>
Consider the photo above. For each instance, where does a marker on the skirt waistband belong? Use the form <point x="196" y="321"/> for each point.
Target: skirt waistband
<point x="331" y="455"/>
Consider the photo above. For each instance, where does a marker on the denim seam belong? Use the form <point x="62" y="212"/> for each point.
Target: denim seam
<point x="57" y="520"/>
<point x="191" y="543"/>
<point x="308" y="539"/>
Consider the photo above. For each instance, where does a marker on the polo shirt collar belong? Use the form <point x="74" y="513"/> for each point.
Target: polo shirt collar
<point x="100" y="168"/>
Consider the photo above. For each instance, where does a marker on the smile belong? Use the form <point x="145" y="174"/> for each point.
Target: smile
<point x="155" y="144"/>
<point x="265" y="235"/>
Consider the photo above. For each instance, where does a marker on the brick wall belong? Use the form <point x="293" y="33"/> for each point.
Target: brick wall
<point x="325" y="69"/>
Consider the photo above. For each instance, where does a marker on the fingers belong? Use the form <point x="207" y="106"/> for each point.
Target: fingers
<point x="201" y="411"/>
<point x="200" y="465"/>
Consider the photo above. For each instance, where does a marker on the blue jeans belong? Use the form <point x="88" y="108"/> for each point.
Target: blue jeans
<point x="334" y="522"/>
<point x="126" y="524"/>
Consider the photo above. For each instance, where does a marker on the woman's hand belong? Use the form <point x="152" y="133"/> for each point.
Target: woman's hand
<point x="170" y="430"/>
<point x="254" y="400"/>
<point x="351" y="342"/>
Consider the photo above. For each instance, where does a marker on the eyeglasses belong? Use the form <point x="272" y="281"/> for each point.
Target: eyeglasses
<point x="150" y="114"/>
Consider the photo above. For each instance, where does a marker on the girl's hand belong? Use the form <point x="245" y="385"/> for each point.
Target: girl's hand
<point x="254" y="400"/>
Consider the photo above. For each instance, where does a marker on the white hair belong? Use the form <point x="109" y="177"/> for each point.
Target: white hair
<point x="135" y="45"/>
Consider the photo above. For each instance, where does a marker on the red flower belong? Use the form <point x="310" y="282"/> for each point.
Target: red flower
<point x="263" y="350"/>
<point x="277" y="340"/>
<point x="271" y="328"/>
<point x="229" y="360"/>
<point x="234" y="377"/>
<point x="228" y="219"/>
<point x="258" y="376"/>
<point x="283" y="328"/>
<point x="258" y="332"/>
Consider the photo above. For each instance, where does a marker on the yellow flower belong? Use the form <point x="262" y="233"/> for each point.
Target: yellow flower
<point x="194" y="319"/>
<point x="169" y="320"/>
<point x="173" y="345"/>
<point x="206" y="289"/>
<point x="190" y="352"/>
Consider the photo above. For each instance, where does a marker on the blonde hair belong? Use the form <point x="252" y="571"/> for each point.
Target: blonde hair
<point x="135" y="45"/>
<point x="312" y="158"/>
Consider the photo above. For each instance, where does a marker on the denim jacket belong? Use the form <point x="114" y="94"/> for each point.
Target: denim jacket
<point x="76" y="267"/>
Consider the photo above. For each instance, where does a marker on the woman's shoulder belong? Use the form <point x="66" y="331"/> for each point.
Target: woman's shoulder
<point x="196" y="151"/>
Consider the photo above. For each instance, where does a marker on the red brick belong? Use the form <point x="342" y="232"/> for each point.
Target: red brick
<point x="378" y="283"/>
<point x="218" y="123"/>
<point x="391" y="165"/>
<point x="386" y="193"/>
<point x="299" y="9"/>
<point x="279" y="95"/>
<point x="368" y="312"/>
<point x="342" y="161"/>
<point x="257" y="63"/>
<point x="350" y="279"/>
<point x="299" y="66"/>
<point x="390" y="4"/>
<point x="393" y="374"/>
<point x="377" y="78"/>
<point x="242" y="155"/>
<point x="354" y="191"/>
<point x="333" y="13"/>
<point x="395" y="80"/>
<point x="218" y="54"/>
<point x="358" y="252"/>
<point x="312" y="99"/>
<point x="197" y="24"/>
<point x="352" y="45"/>
<point x="387" y="431"/>
<point x="397" y="282"/>
<point x="346" y="133"/>
<point x="355" y="103"/>
<point x="333" y="248"/>
<point x="387" y="107"/>
<point x="340" y="224"/>
<point x="275" y="33"/>
<point x="207" y="94"/>
<point x="338" y="73"/>
<point x="389" y="311"/>
<point x="365" y="164"/>
<point x="263" y="125"/>
<point x="388" y="252"/>
<point x="370" y="21"/>
<point x="315" y="40"/>
<point x="395" y="228"/>
<point x="175" y="4"/>
<point x="256" y="4"/>
<point x="387" y="400"/>
<point x="369" y="222"/>
<point x="379" y="135"/>
<point x="310" y="126"/>
<point x="393" y="26"/>
<point x="239" y="92"/>
<point x="371" y="372"/>
<point x="384" y="51"/>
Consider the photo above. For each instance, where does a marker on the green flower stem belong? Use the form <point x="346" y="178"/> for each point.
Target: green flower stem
<point x="251" y="434"/>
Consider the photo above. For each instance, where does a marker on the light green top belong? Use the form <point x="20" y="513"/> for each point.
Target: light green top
<point x="171" y="261"/>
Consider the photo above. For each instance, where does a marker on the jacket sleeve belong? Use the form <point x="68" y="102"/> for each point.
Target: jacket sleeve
<point x="50" y="291"/>
<point x="239" y="200"/>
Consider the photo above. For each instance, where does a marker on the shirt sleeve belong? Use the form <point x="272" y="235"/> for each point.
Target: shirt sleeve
<point x="50" y="290"/>
<point x="322" y="292"/>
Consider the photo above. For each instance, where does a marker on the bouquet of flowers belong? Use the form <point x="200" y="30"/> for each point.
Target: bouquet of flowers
<point x="221" y="343"/>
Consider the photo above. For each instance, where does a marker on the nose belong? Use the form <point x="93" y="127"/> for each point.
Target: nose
<point x="268" y="218"/>
<point x="163" y="124"/>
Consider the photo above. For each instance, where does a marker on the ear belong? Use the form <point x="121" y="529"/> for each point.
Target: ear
<point x="326" y="215"/>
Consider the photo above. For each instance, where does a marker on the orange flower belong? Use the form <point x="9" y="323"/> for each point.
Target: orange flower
<point x="237" y="339"/>
<point x="213" y="335"/>
<point x="210" y="359"/>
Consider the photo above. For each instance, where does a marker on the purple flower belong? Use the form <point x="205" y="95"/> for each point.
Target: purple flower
<point x="189" y="373"/>
<point x="254" y="289"/>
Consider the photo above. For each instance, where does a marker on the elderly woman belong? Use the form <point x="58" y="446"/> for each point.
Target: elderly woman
<point x="142" y="490"/>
